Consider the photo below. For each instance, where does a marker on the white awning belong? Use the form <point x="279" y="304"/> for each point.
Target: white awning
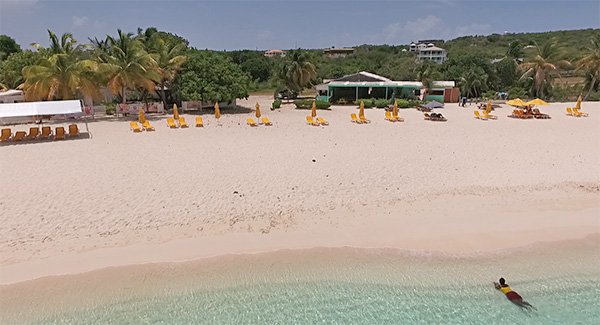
<point x="60" y="107"/>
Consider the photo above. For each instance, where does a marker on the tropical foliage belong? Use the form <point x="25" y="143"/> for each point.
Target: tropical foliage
<point x="297" y="72"/>
<point x="211" y="76"/>
<point x="590" y="65"/>
<point x="543" y="68"/>
<point x="8" y="46"/>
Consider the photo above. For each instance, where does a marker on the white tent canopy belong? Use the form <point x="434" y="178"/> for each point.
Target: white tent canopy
<point x="61" y="107"/>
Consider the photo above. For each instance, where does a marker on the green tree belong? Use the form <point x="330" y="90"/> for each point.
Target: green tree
<point x="590" y="65"/>
<point x="11" y="69"/>
<point x="506" y="72"/>
<point x="8" y="46"/>
<point x="474" y="82"/>
<point x="209" y="76"/>
<point x="61" y="75"/>
<point x="427" y="73"/>
<point x="514" y="50"/>
<point x="297" y="72"/>
<point x="543" y="68"/>
<point x="128" y="66"/>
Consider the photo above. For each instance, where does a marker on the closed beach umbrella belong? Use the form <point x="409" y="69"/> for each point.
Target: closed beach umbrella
<point x="257" y="113"/>
<point x="217" y="111"/>
<point x="361" y="111"/>
<point x="175" y="112"/>
<point x="537" y="102"/>
<point x="395" y="109"/>
<point x="142" y="116"/>
<point x="488" y="107"/>
<point x="578" y="105"/>
<point x="313" y="110"/>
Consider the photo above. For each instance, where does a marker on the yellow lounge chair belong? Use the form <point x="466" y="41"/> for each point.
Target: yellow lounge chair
<point x="389" y="117"/>
<point x="33" y="133"/>
<point x="182" y="123"/>
<point x="250" y="121"/>
<point x="265" y="120"/>
<point x="577" y="113"/>
<point x="364" y="119"/>
<point x="147" y="126"/>
<point x="73" y="130"/>
<point x="355" y="118"/>
<point x="6" y="134"/>
<point x="311" y="121"/>
<point x="479" y="116"/>
<point x="19" y="136"/>
<point x="46" y="132"/>
<point x="489" y="116"/>
<point x="199" y="122"/>
<point x="569" y="111"/>
<point x="171" y="123"/>
<point x="322" y="121"/>
<point x="135" y="127"/>
<point x="397" y="117"/>
<point x="59" y="133"/>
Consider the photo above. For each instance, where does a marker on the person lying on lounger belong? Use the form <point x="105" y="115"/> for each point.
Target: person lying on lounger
<point x="512" y="296"/>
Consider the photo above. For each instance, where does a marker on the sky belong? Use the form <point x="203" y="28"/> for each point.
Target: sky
<point x="284" y="24"/>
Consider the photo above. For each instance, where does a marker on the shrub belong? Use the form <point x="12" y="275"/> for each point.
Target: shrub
<point x="322" y="104"/>
<point x="516" y="92"/>
<point x="403" y="103"/>
<point x="594" y="97"/>
<point x="368" y="102"/>
<point x="381" y="103"/>
<point x="276" y="104"/>
<point x="111" y="108"/>
<point x="307" y="104"/>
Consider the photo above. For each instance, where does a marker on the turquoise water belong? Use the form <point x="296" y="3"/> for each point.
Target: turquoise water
<point x="343" y="286"/>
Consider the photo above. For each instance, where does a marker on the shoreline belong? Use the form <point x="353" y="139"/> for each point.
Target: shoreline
<point x="101" y="291"/>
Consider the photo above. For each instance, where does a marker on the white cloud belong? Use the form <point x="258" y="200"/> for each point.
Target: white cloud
<point x="80" y="21"/>
<point x="429" y="27"/>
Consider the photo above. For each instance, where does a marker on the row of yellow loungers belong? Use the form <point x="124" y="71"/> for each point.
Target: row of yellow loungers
<point x="34" y="133"/>
<point x="264" y="120"/>
<point x="316" y="122"/>
<point x="135" y="127"/>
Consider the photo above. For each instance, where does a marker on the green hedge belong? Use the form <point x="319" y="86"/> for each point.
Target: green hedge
<point x="307" y="104"/>
<point x="276" y="104"/>
<point x="368" y="102"/>
<point x="403" y="103"/>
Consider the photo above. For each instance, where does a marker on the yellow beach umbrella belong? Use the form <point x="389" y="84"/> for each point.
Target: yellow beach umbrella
<point x="217" y="111"/>
<point x="361" y="111"/>
<point x="518" y="102"/>
<point x="142" y="116"/>
<point x="175" y="112"/>
<point x="257" y="113"/>
<point x="395" y="109"/>
<point x="313" y="110"/>
<point x="537" y="102"/>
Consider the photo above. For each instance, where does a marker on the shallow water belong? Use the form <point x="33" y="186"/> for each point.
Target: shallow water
<point x="352" y="286"/>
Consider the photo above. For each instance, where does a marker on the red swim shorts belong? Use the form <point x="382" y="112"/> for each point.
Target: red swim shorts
<point x="513" y="296"/>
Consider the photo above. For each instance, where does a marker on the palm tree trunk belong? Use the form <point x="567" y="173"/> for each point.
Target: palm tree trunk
<point x="591" y="88"/>
<point x="163" y="96"/>
<point x="124" y="98"/>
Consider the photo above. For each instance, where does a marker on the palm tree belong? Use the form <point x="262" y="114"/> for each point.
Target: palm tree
<point x="62" y="75"/>
<point x="590" y="64"/>
<point x="543" y="68"/>
<point x="297" y="72"/>
<point x="427" y="73"/>
<point x="514" y="51"/>
<point x="169" y="58"/>
<point x="128" y="66"/>
<point x="474" y="82"/>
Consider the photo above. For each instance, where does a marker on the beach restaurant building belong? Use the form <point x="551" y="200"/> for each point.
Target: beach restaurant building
<point x="368" y="85"/>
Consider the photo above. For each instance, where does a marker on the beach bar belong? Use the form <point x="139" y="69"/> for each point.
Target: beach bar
<point x="369" y="85"/>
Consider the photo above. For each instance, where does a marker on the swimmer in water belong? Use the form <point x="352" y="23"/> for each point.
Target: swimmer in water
<point x="513" y="296"/>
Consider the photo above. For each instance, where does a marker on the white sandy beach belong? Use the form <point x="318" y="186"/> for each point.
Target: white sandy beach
<point x="465" y="186"/>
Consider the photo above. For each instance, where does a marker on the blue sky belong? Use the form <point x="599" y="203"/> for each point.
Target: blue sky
<point x="286" y="24"/>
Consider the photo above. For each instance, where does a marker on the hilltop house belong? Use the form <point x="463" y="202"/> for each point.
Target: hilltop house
<point x="274" y="53"/>
<point x="338" y="52"/>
